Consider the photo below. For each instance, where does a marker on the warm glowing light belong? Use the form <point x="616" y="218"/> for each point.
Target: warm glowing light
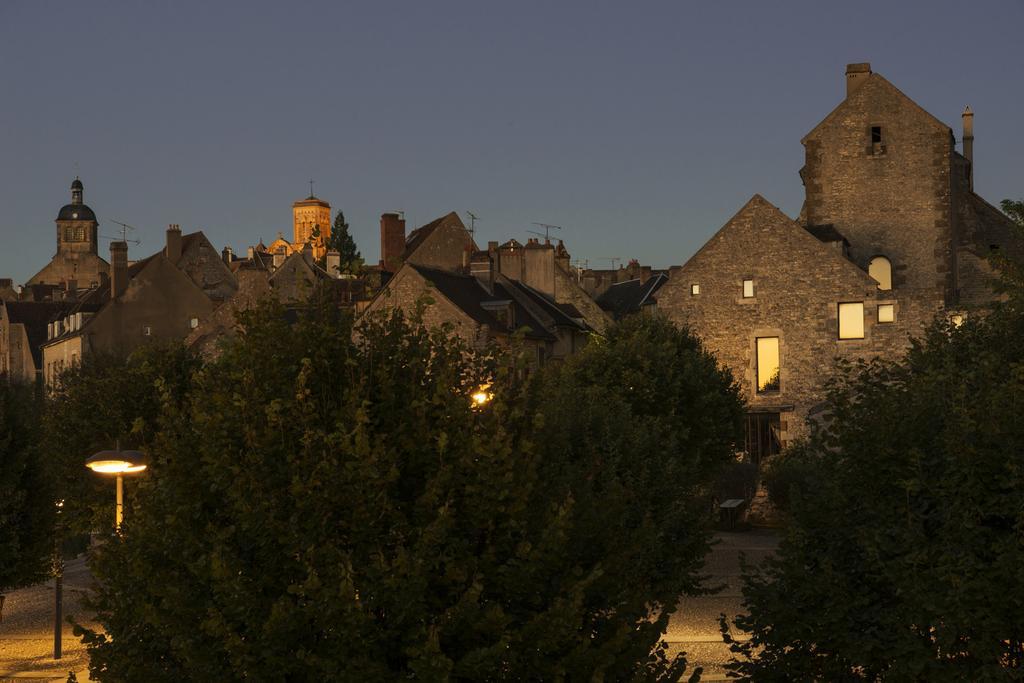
<point x="481" y="396"/>
<point x="767" y="364"/>
<point x="117" y="462"/>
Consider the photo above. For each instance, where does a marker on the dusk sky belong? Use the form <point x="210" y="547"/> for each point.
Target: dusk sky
<point x="640" y="127"/>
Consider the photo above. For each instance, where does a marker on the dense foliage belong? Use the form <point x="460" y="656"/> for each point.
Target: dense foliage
<point x="324" y="506"/>
<point x="103" y="403"/>
<point x="27" y="497"/>
<point x="904" y="557"/>
<point x="341" y="241"/>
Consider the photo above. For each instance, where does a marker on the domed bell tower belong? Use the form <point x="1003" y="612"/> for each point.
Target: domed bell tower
<point x="76" y="224"/>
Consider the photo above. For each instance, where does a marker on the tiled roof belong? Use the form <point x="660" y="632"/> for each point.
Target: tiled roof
<point x="469" y="296"/>
<point x="627" y="297"/>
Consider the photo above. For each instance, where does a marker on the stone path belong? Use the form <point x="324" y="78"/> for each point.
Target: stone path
<point x="26" y="633"/>
<point x="694" y="628"/>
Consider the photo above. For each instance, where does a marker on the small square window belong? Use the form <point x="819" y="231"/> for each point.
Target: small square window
<point x="748" y="289"/>
<point x="694" y="290"/>
<point x="193" y="323"/>
<point x="851" y="320"/>
<point x="886" y="313"/>
<point x="147" y="331"/>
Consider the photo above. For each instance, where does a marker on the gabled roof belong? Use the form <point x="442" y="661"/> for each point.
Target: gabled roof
<point x="419" y="235"/>
<point x="36" y="316"/>
<point x="623" y="298"/>
<point x="873" y="82"/>
<point x="469" y="296"/>
<point x="771" y="214"/>
<point x="562" y="315"/>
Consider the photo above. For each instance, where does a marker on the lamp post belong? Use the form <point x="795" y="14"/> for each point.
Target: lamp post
<point x="118" y="463"/>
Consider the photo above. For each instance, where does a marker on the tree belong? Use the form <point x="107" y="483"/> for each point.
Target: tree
<point x="26" y="495"/>
<point x="346" y="513"/>
<point x="1014" y="209"/>
<point x="903" y="558"/>
<point x="103" y="402"/>
<point x="342" y="242"/>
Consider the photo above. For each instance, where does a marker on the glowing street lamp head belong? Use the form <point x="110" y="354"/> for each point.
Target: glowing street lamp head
<point x="481" y="396"/>
<point x="117" y="462"/>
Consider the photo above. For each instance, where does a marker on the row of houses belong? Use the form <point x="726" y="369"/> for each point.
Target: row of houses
<point x="891" y="235"/>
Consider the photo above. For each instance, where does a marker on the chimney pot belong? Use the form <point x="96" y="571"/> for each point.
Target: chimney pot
<point x="392" y="240"/>
<point x="856" y="74"/>
<point x="173" y="250"/>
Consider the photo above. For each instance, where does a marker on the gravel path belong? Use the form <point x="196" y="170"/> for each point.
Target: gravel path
<point x="26" y="633"/>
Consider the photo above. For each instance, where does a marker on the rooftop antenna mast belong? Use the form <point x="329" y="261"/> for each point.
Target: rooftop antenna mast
<point x="547" y="229"/>
<point x="124" y="232"/>
<point x="612" y="259"/>
<point x="311" y="188"/>
<point x="473" y="218"/>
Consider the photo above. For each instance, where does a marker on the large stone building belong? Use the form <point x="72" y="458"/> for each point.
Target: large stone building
<point x="77" y="261"/>
<point x="486" y="295"/>
<point x="891" y="235"/>
<point x="311" y="228"/>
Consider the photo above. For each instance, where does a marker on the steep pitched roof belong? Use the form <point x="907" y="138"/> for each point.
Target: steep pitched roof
<point x="872" y="83"/>
<point x="419" y="235"/>
<point x="35" y="316"/>
<point x="469" y="296"/>
<point x="770" y="214"/>
<point x="623" y="298"/>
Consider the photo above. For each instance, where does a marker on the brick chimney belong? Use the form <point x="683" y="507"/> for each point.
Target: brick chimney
<point x="173" y="250"/>
<point x="968" y="117"/>
<point x="856" y="74"/>
<point x="481" y="266"/>
<point x="392" y="240"/>
<point x="118" y="268"/>
<point x="539" y="266"/>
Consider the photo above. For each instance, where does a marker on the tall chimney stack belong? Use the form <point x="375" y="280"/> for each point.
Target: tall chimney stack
<point x="173" y="251"/>
<point x="969" y="145"/>
<point x="392" y="240"/>
<point x="118" y="268"/>
<point x="856" y="74"/>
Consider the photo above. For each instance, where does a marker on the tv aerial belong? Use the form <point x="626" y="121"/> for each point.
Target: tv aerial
<point x="473" y="218"/>
<point x="124" y="233"/>
<point x="547" y="229"/>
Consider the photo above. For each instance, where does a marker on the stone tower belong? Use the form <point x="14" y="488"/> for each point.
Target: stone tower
<point x="77" y="260"/>
<point x="307" y="215"/>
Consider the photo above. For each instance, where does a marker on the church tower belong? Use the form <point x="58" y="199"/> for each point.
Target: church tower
<point x="77" y="261"/>
<point x="308" y="215"/>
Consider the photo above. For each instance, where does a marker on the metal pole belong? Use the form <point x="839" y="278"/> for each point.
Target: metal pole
<point x="119" y="515"/>
<point x="58" y="608"/>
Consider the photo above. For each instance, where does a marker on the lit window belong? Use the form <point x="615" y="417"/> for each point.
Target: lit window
<point x="881" y="270"/>
<point x="193" y="323"/>
<point x="851" y="321"/>
<point x="748" y="289"/>
<point x="767" y="364"/>
<point x="886" y="313"/>
<point x="694" y="290"/>
<point x="957" y="319"/>
<point x="147" y="331"/>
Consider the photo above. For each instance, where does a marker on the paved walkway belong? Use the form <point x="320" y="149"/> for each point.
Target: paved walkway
<point x="26" y="633"/>
<point x="694" y="628"/>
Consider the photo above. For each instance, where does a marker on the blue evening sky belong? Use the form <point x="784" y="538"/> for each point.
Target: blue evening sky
<point x="640" y="127"/>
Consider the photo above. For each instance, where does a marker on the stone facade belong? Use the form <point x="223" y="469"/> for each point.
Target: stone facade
<point x="77" y="262"/>
<point x="890" y="222"/>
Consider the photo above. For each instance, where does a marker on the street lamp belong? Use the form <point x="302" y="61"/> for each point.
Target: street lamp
<point x="119" y="463"/>
<point x="481" y="396"/>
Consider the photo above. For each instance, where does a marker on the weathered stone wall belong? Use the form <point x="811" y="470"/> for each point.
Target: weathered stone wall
<point x="892" y="199"/>
<point x="443" y="248"/>
<point x="798" y="284"/>
<point x="568" y="291"/>
<point x="204" y="265"/>
<point x="408" y="290"/>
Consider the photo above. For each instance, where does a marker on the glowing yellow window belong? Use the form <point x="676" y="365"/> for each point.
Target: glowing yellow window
<point x="881" y="270"/>
<point x="886" y="313"/>
<point x="748" y="289"/>
<point x="767" y="364"/>
<point x="851" y="320"/>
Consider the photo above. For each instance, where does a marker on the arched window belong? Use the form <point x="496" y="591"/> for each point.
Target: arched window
<point x="881" y="270"/>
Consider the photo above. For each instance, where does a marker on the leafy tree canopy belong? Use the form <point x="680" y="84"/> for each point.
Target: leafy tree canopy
<point x="1014" y="209"/>
<point x="903" y="558"/>
<point x="345" y="513"/>
<point x="342" y="242"/>
<point x="26" y="495"/>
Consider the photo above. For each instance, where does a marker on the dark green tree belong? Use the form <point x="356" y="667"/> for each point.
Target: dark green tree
<point x="103" y="402"/>
<point x="345" y="513"/>
<point x="27" y="497"/>
<point x="1014" y="209"/>
<point x="342" y="242"/>
<point x="903" y="558"/>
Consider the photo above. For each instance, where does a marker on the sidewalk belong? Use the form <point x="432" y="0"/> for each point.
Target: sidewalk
<point x="26" y="633"/>
<point x="694" y="628"/>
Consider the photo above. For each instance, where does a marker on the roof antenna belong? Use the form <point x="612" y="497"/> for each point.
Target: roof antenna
<point x="613" y="260"/>
<point x="547" y="230"/>
<point x="311" y="195"/>
<point x="473" y="218"/>
<point x="124" y="233"/>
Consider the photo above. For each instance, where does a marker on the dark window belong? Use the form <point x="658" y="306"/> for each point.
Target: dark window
<point x="876" y="135"/>
<point x="993" y="247"/>
<point x="762" y="435"/>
